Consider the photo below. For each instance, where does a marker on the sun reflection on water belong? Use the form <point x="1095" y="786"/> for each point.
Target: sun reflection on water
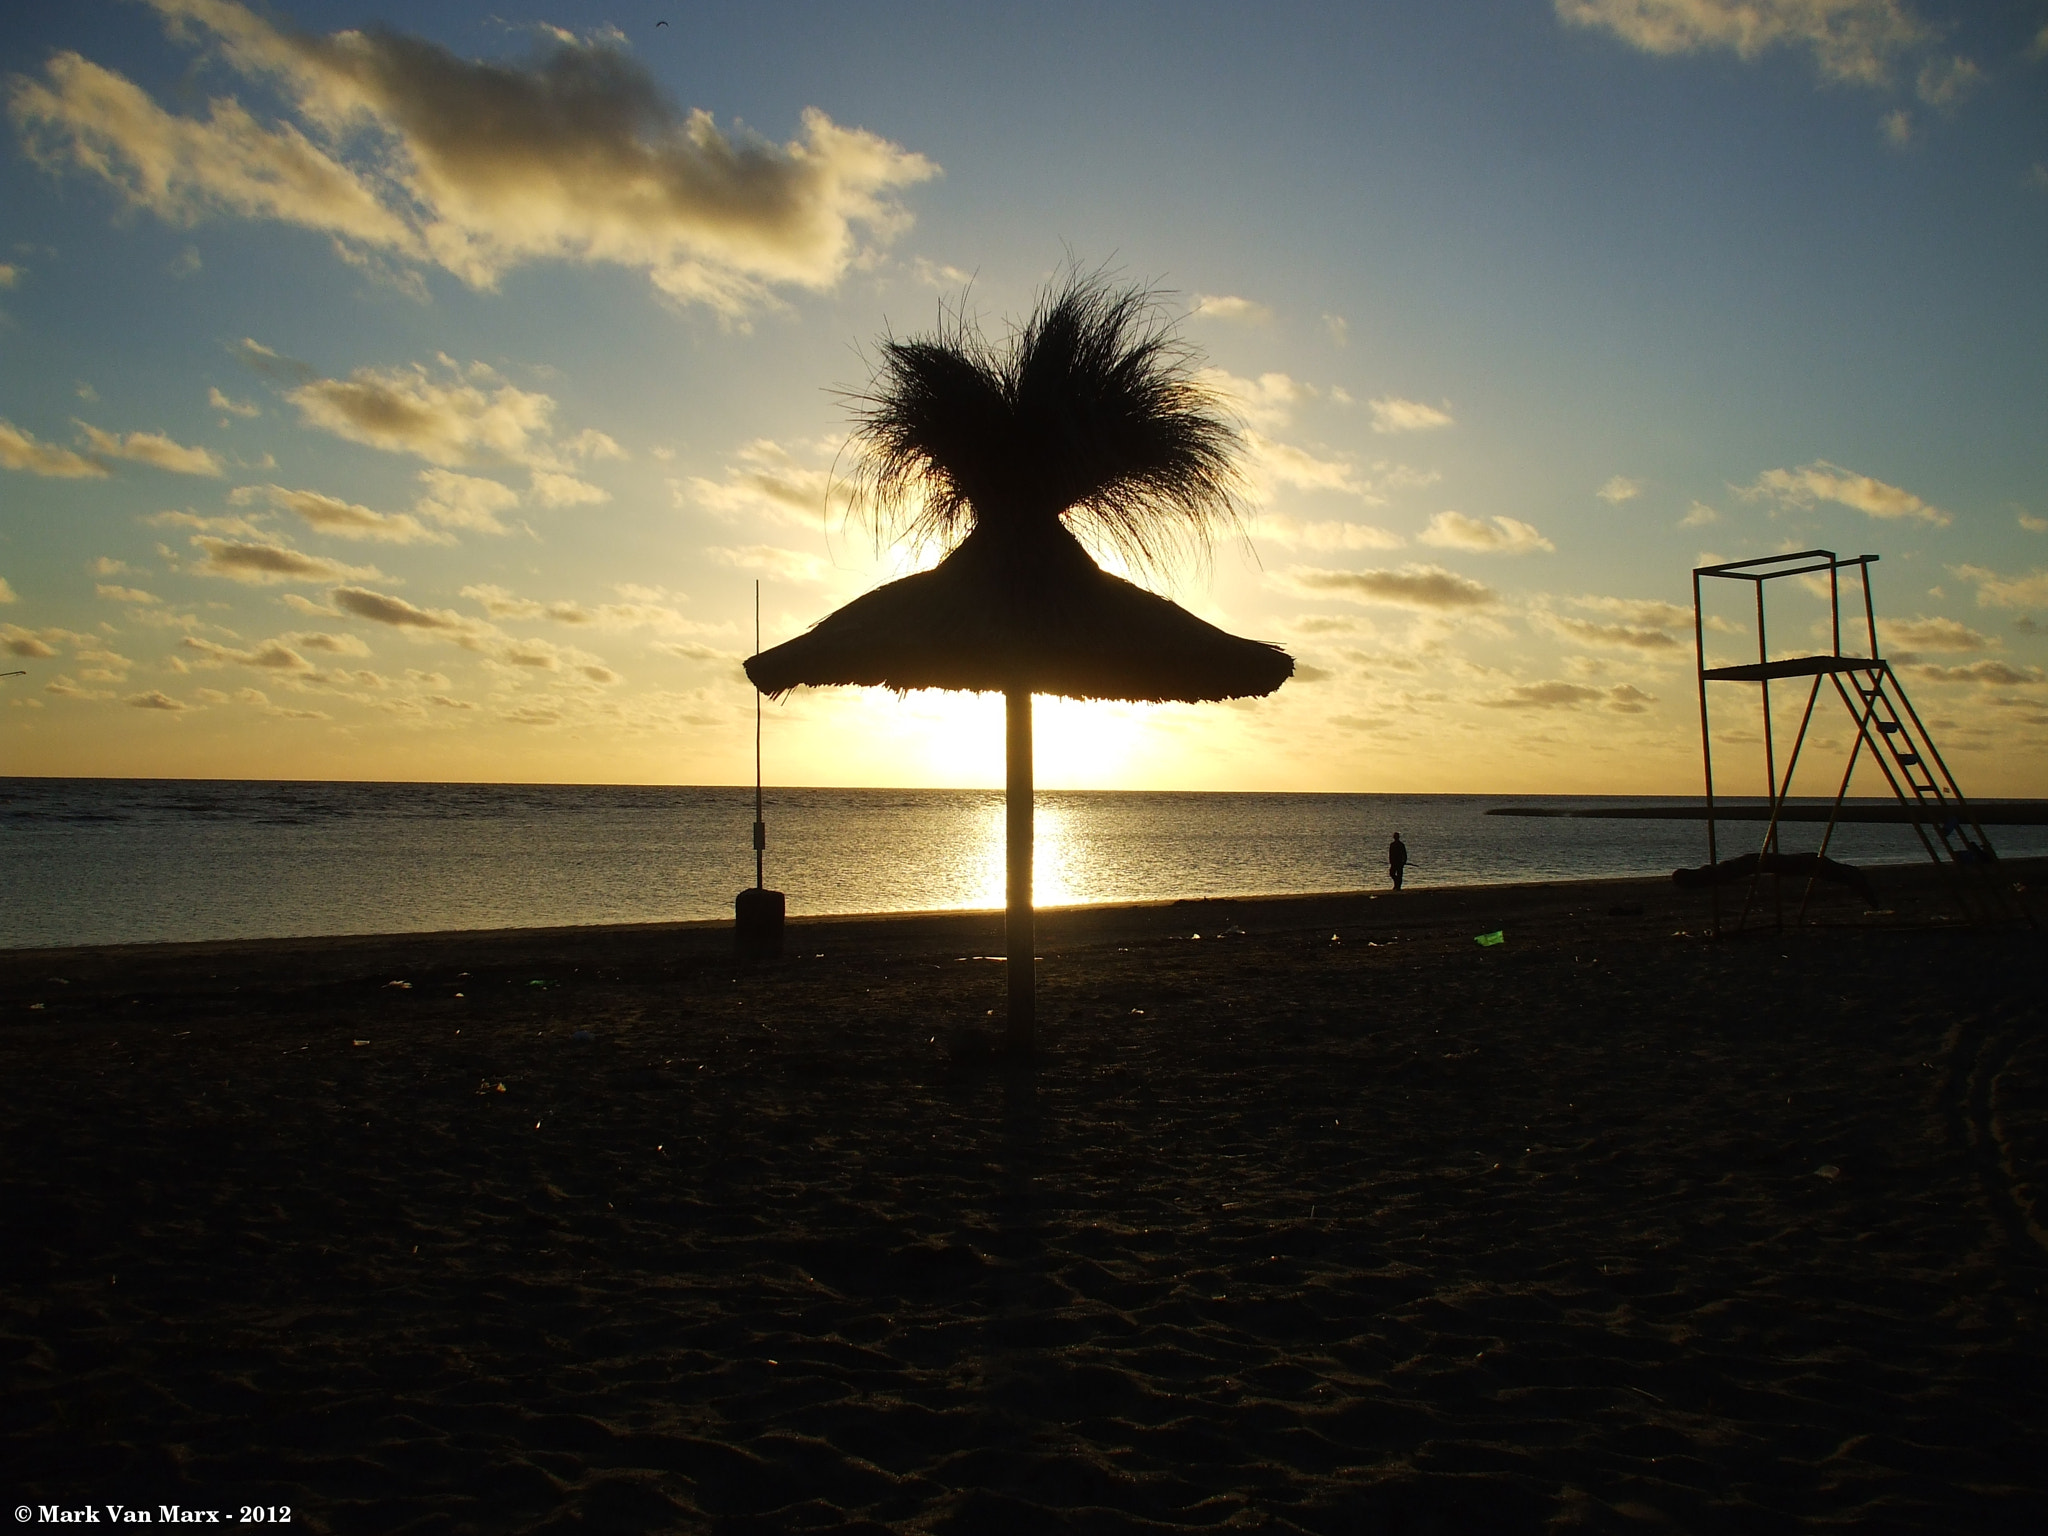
<point x="1058" y="877"/>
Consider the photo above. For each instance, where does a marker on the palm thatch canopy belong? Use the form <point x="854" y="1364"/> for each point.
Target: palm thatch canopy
<point x="1092" y="418"/>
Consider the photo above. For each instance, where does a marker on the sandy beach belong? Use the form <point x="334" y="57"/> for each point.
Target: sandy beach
<point x="1311" y="1214"/>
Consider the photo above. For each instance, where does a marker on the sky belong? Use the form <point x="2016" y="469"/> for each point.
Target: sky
<point x="420" y="394"/>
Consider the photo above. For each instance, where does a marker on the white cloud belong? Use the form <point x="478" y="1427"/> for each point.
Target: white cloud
<point x="17" y="641"/>
<point x="1339" y="329"/>
<point x="772" y="484"/>
<point x="265" y="655"/>
<point x="1945" y="82"/>
<point x="501" y="604"/>
<point x="1822" y="481"/>
<point x="1390" y="413"/>
<point x="1413" y="586"/>
<point x="1266" y="402"/>
<point x="264" y="564"/>
<point x="403" y="151"/>
<point x="1292" y="533"/>
<point x="1931" y="634"/>
<point x="1271" y="464"/>
<point x="458" y="416"/>
<point x="10" y="275"/>
<point x="116" y="594"/>
<point x="1621" y="698"/>
<point x="1996" y="591"/>
<point x="345" y="519"/>
<point x="1897" y="127"/>
<point x="382" y="608"/>
<point x="7" y="592"/>
<point x="552" y="488"/>
<point x="1226" y="306"/>
<point x="464" y="501"/>
<point x="1618" y="489"/>
<point x="1699" y="515"/>
<point x="246" y="409"/>
<point x="155" y="699"/>
<point x="22" y="451"/>
<point x="784" y="564"/>
<point x="1989" y="674"/>
<point x="1851" y="40"/>
<point x="151" y="448"/>
<point x="1504" y="535"/>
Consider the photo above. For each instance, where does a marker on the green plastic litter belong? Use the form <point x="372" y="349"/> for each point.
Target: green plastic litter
<point x="1498" y="936"/>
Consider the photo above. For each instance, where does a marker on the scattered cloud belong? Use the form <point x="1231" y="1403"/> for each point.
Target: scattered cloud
<point x="382" y="608"/>
<point x="6" y="592"/>
<point x="246" y="409"/>
<point x="22" y="451"/>
<point x="1621" y="698"/>
<point x="464" y="501"/>
<point x="1996" y="591"/>
<point x="1946" y="82"/>
<point x="1897" y="127"/>
<point x="10" y="275"/>
<point x="404" y="152"/>
<point x="154" y="699"/>
<point x="551" y="488"/>
<point x="17" y="641"/>
<point x="1225" y="306"/>
<point x="117" y="594"/>
<point x="1504" y="535"/>
<point x="1628" y="637"/>
<point x="1292" y="533"/>
<point x="1851" y="40"/>
<point x="1931" y="634"/>
<point x="501" y="604"/>
<point x="1822" y="481"/>
<point x="1990" y="674"/>
<point x="1339" y="329"/>
<point x="332" y="645"/>
<point x="273" y="365"/>
<point x="2033" y="524"/>
<point x="937" y="274"/>
<point x="1390" y="413"/>
<point x="784" y="564"/>
<point x="768" y="483"/>
<point x="151" y="448"/>
<point x="1619" y="488"/>
<point x="265" y="655"/>
<point x="1699" y="515"/>
<point x="1412" y="586"/>
<point x="344" y="519"/>
<point x="264" y="564"/>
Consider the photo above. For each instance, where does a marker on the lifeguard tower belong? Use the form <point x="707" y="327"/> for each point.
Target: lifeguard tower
<point x="1886" y="723"/>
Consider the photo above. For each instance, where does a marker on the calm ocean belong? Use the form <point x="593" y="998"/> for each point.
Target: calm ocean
<point x="100" y="861"/>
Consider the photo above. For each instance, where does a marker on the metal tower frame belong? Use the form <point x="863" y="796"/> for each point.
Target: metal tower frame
<point x="1885" y="721"/>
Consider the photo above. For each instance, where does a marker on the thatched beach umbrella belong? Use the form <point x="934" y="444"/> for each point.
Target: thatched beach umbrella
<point x="1091" y="416"/>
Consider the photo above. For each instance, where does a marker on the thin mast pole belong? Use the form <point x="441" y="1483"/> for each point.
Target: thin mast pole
<point x="760" y="826"/>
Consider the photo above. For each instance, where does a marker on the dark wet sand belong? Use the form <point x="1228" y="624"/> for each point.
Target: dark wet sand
<point x="1282" y="1231"/>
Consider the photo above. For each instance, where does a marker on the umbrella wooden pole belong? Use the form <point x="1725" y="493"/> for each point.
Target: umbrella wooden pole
<point x="1019" y="929"/>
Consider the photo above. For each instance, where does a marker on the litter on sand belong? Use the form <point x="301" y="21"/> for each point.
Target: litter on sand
<point x="1498" y="936"/>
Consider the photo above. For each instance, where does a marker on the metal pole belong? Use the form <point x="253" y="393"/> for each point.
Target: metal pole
<point x="1699" y="645"/>
<point x="1019" y="926"/>
<point x="1834" y="604"/>
<point x="760" y="825"/>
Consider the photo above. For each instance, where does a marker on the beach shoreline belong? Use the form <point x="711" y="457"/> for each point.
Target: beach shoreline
<point x="1328" y="1219"/>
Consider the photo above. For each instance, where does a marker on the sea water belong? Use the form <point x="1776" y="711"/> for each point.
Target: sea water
<point x="108" y="861"/>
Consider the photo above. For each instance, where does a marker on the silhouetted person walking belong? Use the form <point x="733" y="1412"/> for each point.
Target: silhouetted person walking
<point x="1397" y="859"/>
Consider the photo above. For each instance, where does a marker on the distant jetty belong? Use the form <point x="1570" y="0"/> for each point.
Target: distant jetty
<point x="1989" y="813"/>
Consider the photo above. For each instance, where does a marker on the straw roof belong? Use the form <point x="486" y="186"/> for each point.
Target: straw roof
<point x="1091" y="417"/>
